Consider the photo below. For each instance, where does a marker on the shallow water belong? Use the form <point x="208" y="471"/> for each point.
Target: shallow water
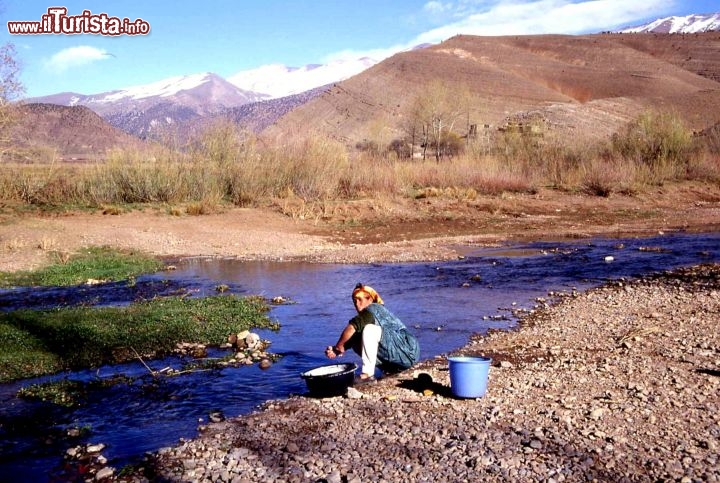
<point x="443" y="304"/>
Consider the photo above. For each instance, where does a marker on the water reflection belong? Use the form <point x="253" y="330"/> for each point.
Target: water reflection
<point x="443" y="304"/>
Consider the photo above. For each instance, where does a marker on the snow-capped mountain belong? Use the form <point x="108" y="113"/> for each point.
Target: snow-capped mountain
<point x="152" y="110"/>
<point x="676" y="25"/>
<point x="148" y="110"/>
<point x="206" y="87"/>
<point x="204" y="92"/>
<point x="277" y="80"/>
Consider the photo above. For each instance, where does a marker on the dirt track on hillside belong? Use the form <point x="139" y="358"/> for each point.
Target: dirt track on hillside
<point x="363" y="231"/>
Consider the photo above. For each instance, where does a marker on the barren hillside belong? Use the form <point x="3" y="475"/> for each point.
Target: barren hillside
<point x="64" y="133"/>
<point x="583" y="85"/>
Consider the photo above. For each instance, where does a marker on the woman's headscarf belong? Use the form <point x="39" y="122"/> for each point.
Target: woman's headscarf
<point x="368" y="290"/>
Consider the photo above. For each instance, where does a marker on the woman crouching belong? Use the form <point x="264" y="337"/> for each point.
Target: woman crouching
<point x="377" y="336"/>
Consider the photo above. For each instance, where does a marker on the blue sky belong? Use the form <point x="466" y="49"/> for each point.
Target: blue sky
<point x="229" y="36"/>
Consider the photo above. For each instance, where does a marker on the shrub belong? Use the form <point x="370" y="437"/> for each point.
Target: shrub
<point x="522" y="149"/>
<point x="401" y="149"/>
<point x="603" y="177"/>
<point x="451" y="144"/>
<point x="658" y="140"/>
<point x="711" y="139"/>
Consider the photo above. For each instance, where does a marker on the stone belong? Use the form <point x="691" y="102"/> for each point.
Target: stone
<point x="597" y="413"/>
<point x="252" y="341"/>
<point x="104" y="473"/>
<point x="95" y="448"/>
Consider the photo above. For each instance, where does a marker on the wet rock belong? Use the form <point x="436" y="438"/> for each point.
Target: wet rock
<point x="216" y="416"/>
<point x="95" y="448"/>
<point x="104" y="473"/>
<point x="252" y="341"/>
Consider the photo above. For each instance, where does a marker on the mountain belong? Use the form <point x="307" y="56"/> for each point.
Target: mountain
<point x="146" y="110"/>
<point x="252" y="117"/>
<point x="277" y="80"/>
<point x="581" y="87"/>
<point x="65" y="133"/>
<point x="689" y="24"/>
<point x="168" y="108"/>
<point x="203" y="92"/>
<point x="259" y="115"/>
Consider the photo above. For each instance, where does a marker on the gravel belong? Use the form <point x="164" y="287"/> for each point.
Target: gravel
<point x="620" y="383"/>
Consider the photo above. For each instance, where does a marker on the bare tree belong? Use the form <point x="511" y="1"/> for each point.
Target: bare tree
<point x="434" y="113"/>
<point x="10" y="89"/>
<point x="414" y="125"/>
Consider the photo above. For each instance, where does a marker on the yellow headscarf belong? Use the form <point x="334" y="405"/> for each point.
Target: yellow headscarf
<point x="368" y="290"/>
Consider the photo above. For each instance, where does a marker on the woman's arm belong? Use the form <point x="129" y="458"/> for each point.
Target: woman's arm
<point x="339" y="348"/>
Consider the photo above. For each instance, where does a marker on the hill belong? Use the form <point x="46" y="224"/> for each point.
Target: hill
<point x="581" y="86"/>
<point x="64" y="133"/>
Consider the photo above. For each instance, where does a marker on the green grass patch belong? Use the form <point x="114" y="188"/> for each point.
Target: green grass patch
<point x="39" y="342"/>
<point x="68" y="393"/>
<point x="96" y="263"/>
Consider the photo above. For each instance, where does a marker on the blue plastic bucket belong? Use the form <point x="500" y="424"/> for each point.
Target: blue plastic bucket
<point x="469" y="376"/>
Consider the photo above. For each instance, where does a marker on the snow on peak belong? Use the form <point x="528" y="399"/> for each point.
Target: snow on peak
<point x="687" y="24"/>
<point x="162" y="88"/>
<point x="278" y="80"/>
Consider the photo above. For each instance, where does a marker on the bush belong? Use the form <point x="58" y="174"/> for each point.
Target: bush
<point x="451" y="145"/>
<point x="401" y="149"/>
<point x="603" y="177"/>
<point x="659" y="140"/>
<point x="711" y="139"/>
<point x="522" y="149"/>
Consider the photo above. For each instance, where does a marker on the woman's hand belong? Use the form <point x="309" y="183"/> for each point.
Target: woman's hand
<point x="333" y="352"/>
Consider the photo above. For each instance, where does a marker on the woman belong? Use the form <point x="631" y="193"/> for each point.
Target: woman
<point x="378" y="336"/>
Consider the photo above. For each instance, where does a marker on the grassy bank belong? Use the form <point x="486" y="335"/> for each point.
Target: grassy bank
<point x="34" y="343"/>
<point x="38" y="342"/>
<point x="91" y="264"/>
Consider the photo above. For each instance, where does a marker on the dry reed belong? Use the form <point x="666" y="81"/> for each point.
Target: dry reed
<point x="226" y="166"/>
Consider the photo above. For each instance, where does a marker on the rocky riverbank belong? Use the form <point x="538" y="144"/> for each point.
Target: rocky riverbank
<point x="621" y="383"/>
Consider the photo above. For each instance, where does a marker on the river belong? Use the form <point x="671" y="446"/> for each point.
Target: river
<point x="443" y="303"/>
